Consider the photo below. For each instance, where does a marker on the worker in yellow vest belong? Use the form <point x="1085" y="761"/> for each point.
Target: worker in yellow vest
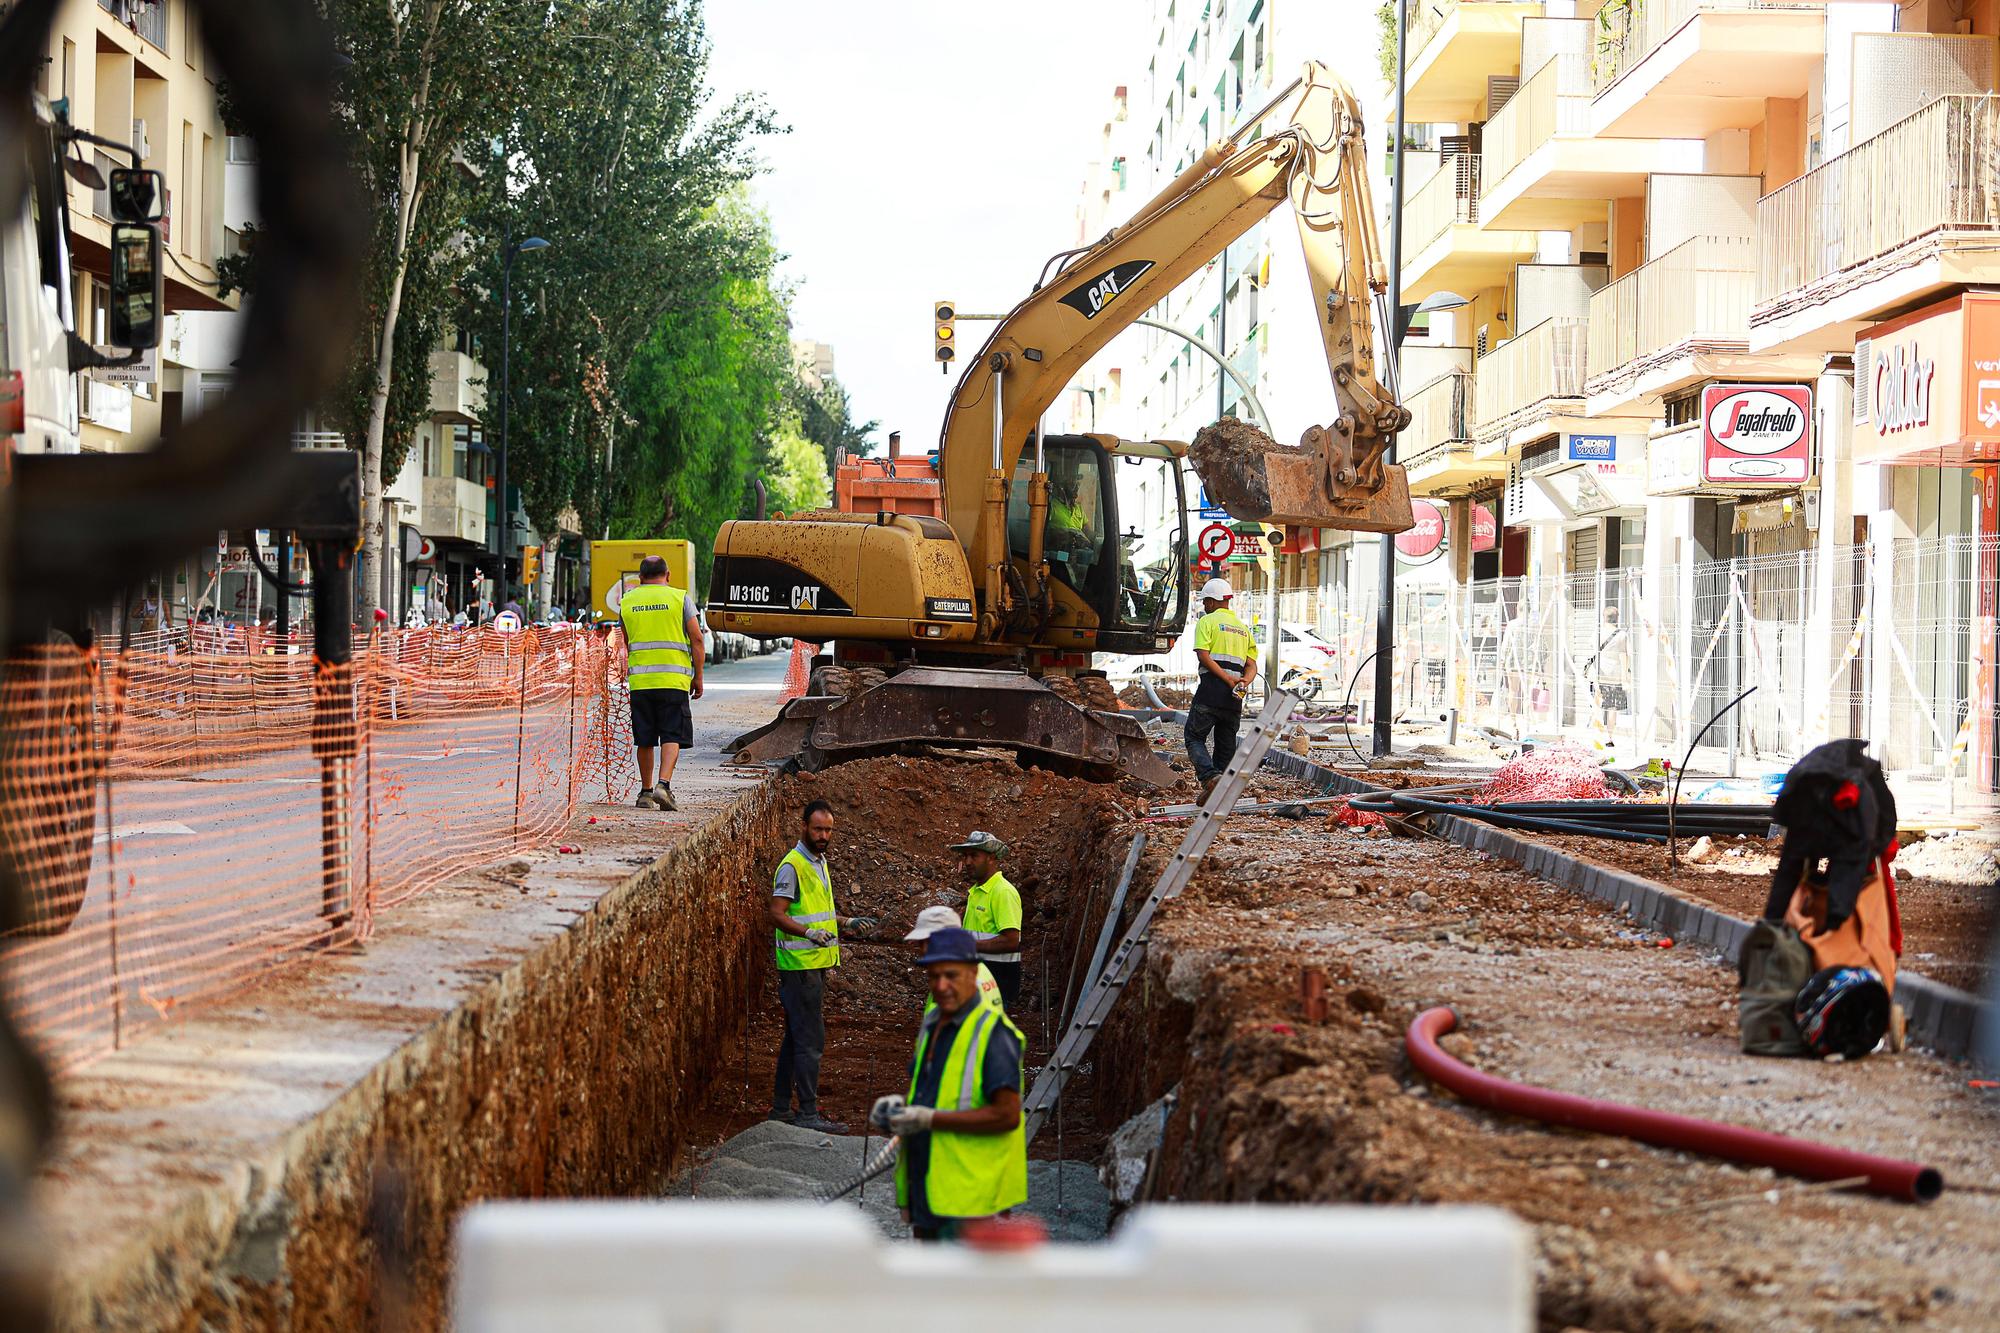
<point x="964" y="1151"/>
<point x="929" y="922"/>
<point x="1228" y="658"/>
<point x="663" y="658"/>
<point x="808" y="946"/>
<point x="992" y="911"/>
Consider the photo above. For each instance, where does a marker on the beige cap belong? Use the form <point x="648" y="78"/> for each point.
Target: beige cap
<point x="931" y="920"/>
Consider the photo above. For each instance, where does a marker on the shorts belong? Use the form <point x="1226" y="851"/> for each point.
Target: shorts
<point x="661" y="717"/>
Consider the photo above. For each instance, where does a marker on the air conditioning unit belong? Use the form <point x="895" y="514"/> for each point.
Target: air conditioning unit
<point x="140" y="141"/>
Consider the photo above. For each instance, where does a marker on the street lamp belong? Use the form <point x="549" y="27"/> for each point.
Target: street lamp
<point x="502" y="510"/>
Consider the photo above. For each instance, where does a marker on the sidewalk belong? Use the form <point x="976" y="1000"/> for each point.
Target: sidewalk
<point x="222" y="1170"/>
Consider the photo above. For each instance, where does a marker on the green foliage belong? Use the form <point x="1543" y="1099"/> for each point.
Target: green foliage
<point x="827" y="419"/>
<point x="621" y="162"/>
<point x="795" y="474"/>
<point x="1385" y="42"/>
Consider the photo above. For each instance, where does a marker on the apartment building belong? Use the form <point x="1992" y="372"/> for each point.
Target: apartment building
<point x="1718" y="361"/>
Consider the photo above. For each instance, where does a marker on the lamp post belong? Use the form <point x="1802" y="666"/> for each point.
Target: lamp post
<point x="503" y="511"/>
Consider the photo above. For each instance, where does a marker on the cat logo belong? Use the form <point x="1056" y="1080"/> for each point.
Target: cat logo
<point x="1091" y="298"/>
<point x="805" y="598"/>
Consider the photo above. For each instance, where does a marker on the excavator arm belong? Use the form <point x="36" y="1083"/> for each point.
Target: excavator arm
<point x="1337" y="477"/>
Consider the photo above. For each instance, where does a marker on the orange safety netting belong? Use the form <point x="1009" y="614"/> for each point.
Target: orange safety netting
<point x="182" y="817"/>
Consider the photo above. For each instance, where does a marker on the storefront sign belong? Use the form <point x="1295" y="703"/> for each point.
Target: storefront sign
<point x="1590" y="448"/>
<point x="1927" y="386"/>
<point x="1756" y="434"/>
<point x="1485" y="529"/>
<point x="1422" y="541"/>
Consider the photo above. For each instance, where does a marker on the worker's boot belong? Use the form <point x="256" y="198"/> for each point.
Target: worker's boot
<point x="818" y="1123"/>
<point x="663" y="796"/>
<point x="646" y="800"/>
<point x="1208" y="785"/>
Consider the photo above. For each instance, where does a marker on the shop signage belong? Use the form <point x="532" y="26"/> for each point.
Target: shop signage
<point x="1485" y="529"/>
<point x="1590" y="448"/>
<point x="1899" y="392"/>
<point x="1756" y="434"/>
<point x="1422" y="541"/>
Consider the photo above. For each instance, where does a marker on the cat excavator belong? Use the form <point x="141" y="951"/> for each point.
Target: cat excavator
<point x="960" y="631"/>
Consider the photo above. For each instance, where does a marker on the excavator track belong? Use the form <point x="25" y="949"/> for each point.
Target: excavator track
<point x="956" y="708"/>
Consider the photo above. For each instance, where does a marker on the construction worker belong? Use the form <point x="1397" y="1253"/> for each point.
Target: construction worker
<point x="1228" y="658"/>
<point x="808" y="931"/>
<point x="964" y="1152"/>
<point x="663" y="659"/>
<point x="929" y="922"/>
<point x="992" y="911"/>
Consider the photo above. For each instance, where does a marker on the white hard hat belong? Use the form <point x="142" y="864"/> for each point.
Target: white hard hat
<point x="933" y="919"/>
<point x="1217" y="590"/>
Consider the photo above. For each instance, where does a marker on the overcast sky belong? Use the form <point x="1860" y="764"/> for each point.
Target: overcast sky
<point x="937" y="149"/>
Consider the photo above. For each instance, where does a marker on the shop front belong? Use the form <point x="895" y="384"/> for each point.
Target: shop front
<point x="1927" y="407"/>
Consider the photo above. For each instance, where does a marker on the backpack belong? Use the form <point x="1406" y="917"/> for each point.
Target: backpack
<point x="1773" y="967"/>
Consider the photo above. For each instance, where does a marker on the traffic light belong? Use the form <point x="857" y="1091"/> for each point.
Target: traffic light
<point x="531" y="564"/>
<point x="944" y="335"/>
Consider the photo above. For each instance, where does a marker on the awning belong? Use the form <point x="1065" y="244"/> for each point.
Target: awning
<point x="1768" y="515"/>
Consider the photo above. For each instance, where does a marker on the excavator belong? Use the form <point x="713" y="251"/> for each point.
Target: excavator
<point x="960" y="631"/>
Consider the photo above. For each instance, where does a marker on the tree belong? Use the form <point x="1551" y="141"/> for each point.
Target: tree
<point x="621" y="162"/>
<point x="430" y="79"/>
<point x="827" y="418"/>
<point x="795" y="475"/>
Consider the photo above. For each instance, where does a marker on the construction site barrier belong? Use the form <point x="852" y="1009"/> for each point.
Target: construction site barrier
<point x="181" y="823"/>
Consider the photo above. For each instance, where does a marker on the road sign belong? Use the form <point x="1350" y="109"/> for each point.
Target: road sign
<point x="1217" y="542"/>
<point x="1248" y="548"/>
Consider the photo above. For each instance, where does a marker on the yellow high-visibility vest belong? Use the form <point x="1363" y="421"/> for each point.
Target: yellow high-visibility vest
<point x="813" y="908"/>
<point x="970" y="1175"/>
<point x="657" y="651"/>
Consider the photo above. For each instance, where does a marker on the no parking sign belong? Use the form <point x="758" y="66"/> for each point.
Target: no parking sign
<point x="1216" y="542"/>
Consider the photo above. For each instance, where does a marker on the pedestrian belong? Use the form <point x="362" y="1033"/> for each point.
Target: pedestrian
<point x="964" y="1150"/>
<point x="663" y="660"/>
<point x="992" y="910"/>
<point x="1228" y="660"/>
<point x="808" y="946"/>
<point x="929" y="922"/>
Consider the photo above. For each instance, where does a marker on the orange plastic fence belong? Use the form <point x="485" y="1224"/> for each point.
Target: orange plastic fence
<point x="181" y="822"/>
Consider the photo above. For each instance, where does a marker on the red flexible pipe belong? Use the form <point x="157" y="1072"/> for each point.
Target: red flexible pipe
<point x="1909" y="1181"/>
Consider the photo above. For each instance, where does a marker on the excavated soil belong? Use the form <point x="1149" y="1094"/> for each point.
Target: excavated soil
<point x="1948" y="926"/>
<point x="1552" y="989"/>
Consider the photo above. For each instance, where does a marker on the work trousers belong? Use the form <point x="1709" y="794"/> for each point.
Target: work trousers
<point x="1202" y="720"/>
<point x="802" y="994"/>
<point x="1008" y="975"/>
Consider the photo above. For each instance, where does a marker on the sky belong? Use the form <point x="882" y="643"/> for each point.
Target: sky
<point x="937" y="150"/>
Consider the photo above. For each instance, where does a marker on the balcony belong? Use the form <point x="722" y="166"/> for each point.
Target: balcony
<point x="458" y="387"/>
<point x="1897" y="218"/>
<point x="1449" y="250"/>
<point x="454" y="508"/>
<point x="148" y="18"/>
<point x="1545" y="172"/>
<point x="1664" y="324"/>
<point x="1454" y="45"/>
<point x="1528" y="382"/>
<point x="1436" y="450"/>
<point x="1698" y="67"/>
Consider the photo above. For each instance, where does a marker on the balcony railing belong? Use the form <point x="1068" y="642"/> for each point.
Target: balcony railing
<point x="148" y="18"/>
<point x="1543" y="363"/>
<point x="318" y="439"/>
<point x="1697" y="292"/>
<point x="1555" y="101"/>
<point x="1930" y="171"/>
<point x="1440" y="416"/>
<point x="1426" y="17"/>
<point x="1630" y="33"/>
<point x="1449" y="196"/>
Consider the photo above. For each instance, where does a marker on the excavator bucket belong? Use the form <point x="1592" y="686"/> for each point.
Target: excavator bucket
<point x="1255" y="478"/>
<point x="956" y="708"/>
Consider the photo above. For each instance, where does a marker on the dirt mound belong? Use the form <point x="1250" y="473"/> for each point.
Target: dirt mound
<point x="1134" y="696"/>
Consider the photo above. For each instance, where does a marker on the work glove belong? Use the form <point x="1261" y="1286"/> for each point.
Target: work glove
<point x="863" y="925"/>
<point x="884" y="1111"/>
<point x="821" y="938"/>
<point x="911" y="1120"/>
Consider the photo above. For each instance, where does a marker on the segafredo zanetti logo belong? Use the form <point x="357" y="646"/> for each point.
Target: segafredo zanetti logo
<point x="1757" y="433"/>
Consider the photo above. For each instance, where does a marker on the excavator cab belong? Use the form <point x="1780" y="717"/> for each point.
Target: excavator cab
<point x="1116" y="534"/>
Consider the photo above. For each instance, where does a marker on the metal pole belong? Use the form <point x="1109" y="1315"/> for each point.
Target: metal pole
<point x="501" y="512"/>
<point x="1385" y="608"/>
<point x="284" y="536"/>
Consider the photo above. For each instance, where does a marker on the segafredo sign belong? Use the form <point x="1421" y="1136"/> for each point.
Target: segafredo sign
<point x="1756" y="434"/>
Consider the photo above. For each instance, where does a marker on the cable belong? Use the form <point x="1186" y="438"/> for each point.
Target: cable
<point x="1348" y="703"/>
<point x="1674" y="799"/>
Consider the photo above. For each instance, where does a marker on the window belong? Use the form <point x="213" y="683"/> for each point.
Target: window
<point x="189" y="166"/>
<point x="211" y="203"/>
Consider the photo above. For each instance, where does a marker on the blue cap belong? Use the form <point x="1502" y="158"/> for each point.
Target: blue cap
<point x="950" y="946"/>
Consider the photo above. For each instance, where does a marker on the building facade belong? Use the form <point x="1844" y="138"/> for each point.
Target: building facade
<point x="1715" y="365"/>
